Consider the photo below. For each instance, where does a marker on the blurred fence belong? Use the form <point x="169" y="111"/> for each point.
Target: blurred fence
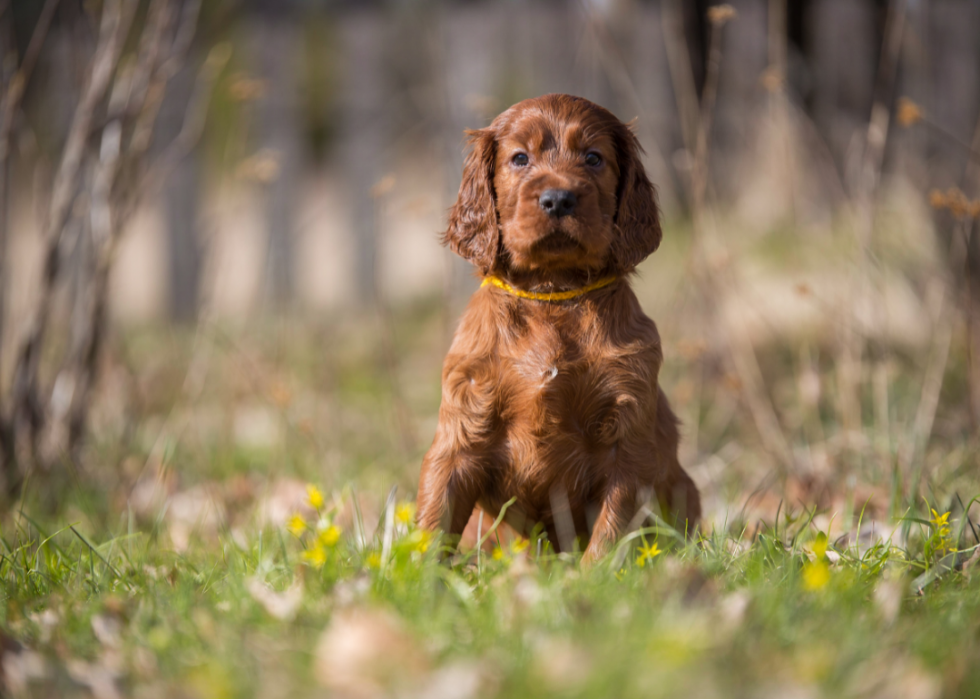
<point x="334" y="141"/>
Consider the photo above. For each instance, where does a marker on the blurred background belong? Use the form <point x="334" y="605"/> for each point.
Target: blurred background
<point x="334" y="141"/>
<point x="276" y="299"/>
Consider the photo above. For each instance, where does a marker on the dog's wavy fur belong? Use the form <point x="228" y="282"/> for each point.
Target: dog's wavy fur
<point x="555" y="403"/>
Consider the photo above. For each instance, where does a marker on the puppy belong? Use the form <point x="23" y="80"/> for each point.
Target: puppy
<point x="549" y="391"/>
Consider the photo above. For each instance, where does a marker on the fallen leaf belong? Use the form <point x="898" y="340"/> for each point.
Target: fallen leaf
<point x="887" y="598"/>
<point x="20" y="669"/>
<point x="367" y="653"/>
<point x="561" y="664"/>
<point x="99" y="679"/>
<point x="460" y="680"/>
<point x="198" y="510"/>
<point x="280" y="605"/>
<point x="107" y="629"/>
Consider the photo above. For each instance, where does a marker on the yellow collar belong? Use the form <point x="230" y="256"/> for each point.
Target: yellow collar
<point x="549" y="296"/>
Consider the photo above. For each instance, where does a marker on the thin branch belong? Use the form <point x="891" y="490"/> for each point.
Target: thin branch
<point x="194" y="121"/>
<point x="15" y="90"/>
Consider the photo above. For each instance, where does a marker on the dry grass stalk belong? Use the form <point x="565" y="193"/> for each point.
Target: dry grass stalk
<point x="402" y="413"/>
<point x="716" y="283"/>
<point x="971" y="181"/>
<point x="850" y="363"/>
<point x="913" y="453"/>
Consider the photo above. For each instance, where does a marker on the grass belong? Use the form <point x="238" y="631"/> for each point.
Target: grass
<point x="719" y="617"/>
<point x="168" y="566"/>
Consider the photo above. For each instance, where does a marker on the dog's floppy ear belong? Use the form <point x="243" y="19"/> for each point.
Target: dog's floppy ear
<point x="637" y="216"/>
<point x="473" y="233"/>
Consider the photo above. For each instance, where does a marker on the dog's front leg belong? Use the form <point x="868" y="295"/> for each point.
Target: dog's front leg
<point x="617" y="509"/>
<point x="454" y="471"/>
<point x="449" y="486"/>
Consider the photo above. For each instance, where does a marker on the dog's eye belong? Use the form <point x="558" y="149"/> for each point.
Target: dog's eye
<point x="519" y="159"/>
<point x="593" y="159"/>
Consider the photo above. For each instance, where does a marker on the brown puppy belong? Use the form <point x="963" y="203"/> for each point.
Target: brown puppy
<point x="549" y="391"/>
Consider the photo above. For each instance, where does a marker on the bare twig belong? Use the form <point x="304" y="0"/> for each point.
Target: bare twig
<point x="15" y="90"/>
<point x="193" y="125"/>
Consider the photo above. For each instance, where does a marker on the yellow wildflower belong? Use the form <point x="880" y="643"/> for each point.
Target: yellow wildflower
<point x="315" y="556"/>
<point x="374" y="560"/>
<point x="647" y="553"/>
<point x="419" y="540"/>
<point x="405" y="512"/>
<point x="820" y="545"/>
<point x="519" y="544"/>
<point x="943" y="541"/>
<point x="314" y="497"/>
<point x="498" y="553"/>
<point x="816" y="575"/>
<point x="296" y="525"/>
<point x="330" y="536"/>
<point x="424" y="542"/>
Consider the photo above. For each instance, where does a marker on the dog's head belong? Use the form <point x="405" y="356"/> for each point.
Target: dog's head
<point x="554" y="184"/>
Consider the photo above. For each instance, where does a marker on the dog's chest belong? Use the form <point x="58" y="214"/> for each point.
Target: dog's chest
<point x="555" y="389"/>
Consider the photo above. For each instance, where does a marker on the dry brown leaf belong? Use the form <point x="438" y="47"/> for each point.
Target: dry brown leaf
<point x="107" y="630"/>
<point x="460" y="680"/>
<point x="561" y="664"/>
<point x="100" y="680"/>
<point x="280" y="605"/>
<point x="366" y="653"/>
<point x="887" y="598"/>
<point x="20" y="669"/>
<point x="47" y="621"/>
<point x="199" y="510"/>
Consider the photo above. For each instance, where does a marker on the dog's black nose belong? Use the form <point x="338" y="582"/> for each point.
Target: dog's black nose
<point x="557" y="202"/>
